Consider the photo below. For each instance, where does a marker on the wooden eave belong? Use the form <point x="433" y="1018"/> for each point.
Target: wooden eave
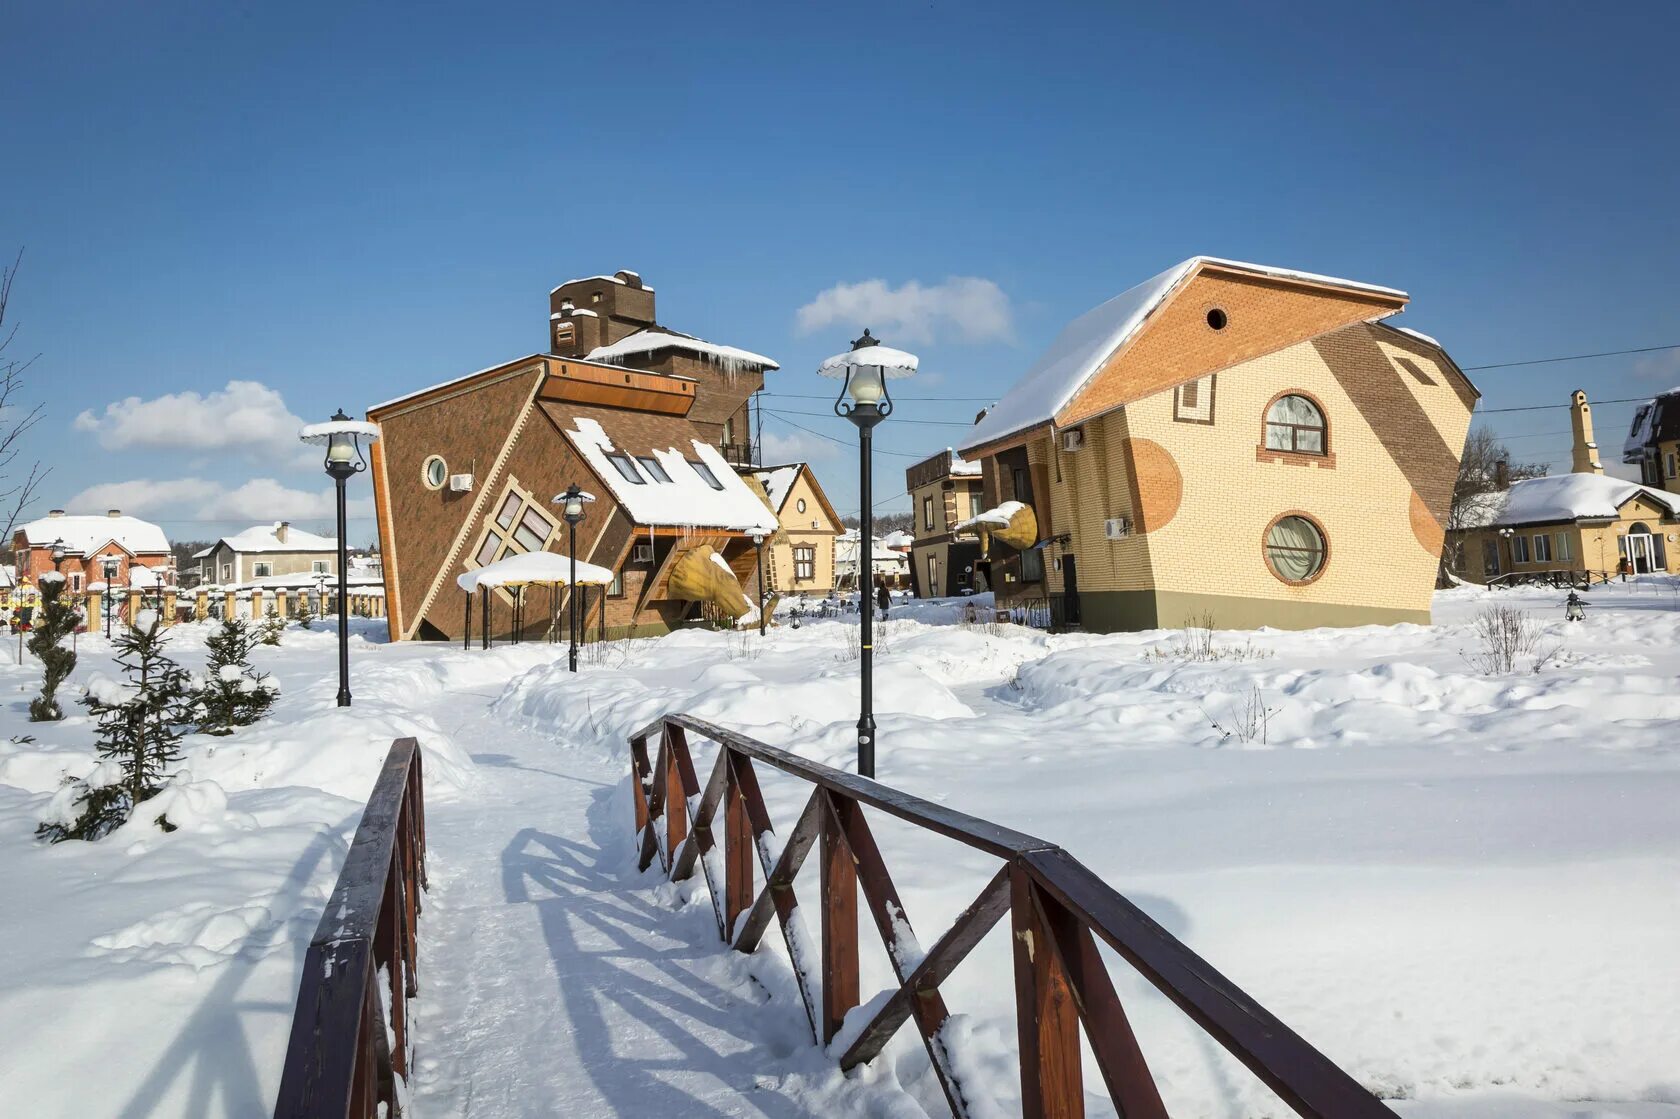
<point x="614" y="386"/>
<point x="1008" y="442"/>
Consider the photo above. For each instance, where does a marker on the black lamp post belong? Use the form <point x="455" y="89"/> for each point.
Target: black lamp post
<point x="571" y="511"/>
<point x="758" y="544"/>
<point x="865" y="370"/>
<point x="345" y="459"/>
<point x="109" y="565"/>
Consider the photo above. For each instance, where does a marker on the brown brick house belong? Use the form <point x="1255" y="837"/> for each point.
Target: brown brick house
<point x="1226" y="439"/>
<point x="87" y="540"/>
<point x="644" y="418"/>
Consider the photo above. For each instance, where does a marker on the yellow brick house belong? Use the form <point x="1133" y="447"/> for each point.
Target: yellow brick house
<point x="1226" y="439"/>
<point x="800" y="558"/>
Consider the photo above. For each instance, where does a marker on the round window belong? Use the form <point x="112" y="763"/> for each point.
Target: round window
<point x="436" y="472"/>
<point x="800" y="505"/>
<point x="1295" y="549"/>
<point x="1217" y="319"/>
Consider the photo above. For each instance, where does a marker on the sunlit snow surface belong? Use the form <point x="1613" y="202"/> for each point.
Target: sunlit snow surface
<point x="1462" y="888"/>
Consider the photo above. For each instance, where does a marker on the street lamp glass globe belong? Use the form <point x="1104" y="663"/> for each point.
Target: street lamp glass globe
<point x="341" y="448"/>
<point x="758" y="538"/>
<point x="866" y="385"/>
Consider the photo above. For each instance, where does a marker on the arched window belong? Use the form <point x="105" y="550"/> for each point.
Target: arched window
<point x="1294" y="423"/>
<point x="1295" y="548"/>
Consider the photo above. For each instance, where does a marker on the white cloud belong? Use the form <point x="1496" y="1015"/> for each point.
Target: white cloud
<point x="961" y="309"/>
<point x="246" y="416"/>
<point x="795" y="447"/>
<point x="257" y="501"/>
<point x="1659" y="367"/>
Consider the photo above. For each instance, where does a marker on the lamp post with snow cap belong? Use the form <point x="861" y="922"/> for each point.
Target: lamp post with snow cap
<point x="758" y="547"/>
<point x="571" y="511"/>
<point x="865" y="370"/>
<point x="343" y="438"/>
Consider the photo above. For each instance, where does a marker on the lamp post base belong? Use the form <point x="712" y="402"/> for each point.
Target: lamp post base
<point x="866" y="747"/>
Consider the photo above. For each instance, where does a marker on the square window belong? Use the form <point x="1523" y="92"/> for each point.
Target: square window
<point x="508" y="511"/>
<point x="1193" y="401"/>
<point x="535" y="523"/>
<point x="487" y="550"/>
<point x="318" y="567"/>
<point x="262" y="570"/>
<point x="527" y="540"/>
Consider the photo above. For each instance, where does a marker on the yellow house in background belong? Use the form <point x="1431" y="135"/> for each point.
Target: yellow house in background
<point x="1574" y="523"/>
<point x="800" y="560"/>
<point x="1227" y="439"/>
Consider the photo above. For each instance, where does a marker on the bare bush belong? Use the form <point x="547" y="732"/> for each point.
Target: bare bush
<point x="1247" y="722"/>
<point x="1194" y="644"/>
<point x="1509" y="639"/>
<point x="745" y="645"/>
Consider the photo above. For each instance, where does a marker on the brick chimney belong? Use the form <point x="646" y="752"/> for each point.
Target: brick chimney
<point x="281" y="530"/>
<point x="1584" y="453"/>
<point x="1502" y="475"/>
<point x="113" y="512"/>
<point x="55" y="512"/>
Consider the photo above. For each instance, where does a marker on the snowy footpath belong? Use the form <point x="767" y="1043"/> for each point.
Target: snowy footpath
<point x="1463" y="886"/>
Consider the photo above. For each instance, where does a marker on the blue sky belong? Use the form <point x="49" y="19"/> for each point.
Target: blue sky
<point x="333" y="204"/>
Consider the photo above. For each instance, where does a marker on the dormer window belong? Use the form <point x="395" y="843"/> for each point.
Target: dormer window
<point x="653" y="468"/>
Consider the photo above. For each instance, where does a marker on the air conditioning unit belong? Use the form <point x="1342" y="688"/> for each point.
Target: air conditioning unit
<point x="641" y="553"/>
<point x="1073" y="440"/>
<point x="1117" y="528"/>
<point x="460" y="483"/>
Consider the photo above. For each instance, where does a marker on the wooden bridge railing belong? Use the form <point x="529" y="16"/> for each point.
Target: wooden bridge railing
<point x="350" y="1040"/>
<point x="1057" y="908"/>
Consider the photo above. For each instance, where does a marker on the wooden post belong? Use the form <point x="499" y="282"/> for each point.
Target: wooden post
<point x="256" y="604"/>
<point x="1046" y="1016"/>
<point x="676" y="799"/>
<point x="737" y="851"/>
<point x="230" y="605"/>
<point x="95" y="617"/>
<point x="839" y="928"/>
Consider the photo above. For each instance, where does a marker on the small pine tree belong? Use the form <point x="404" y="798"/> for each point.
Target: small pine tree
<point x="139" y="734"/>
<point x="231" y="694"/>
<point x="56" y="620"/>
<point x="273" y="627"/>
<point x="304" y="615"/>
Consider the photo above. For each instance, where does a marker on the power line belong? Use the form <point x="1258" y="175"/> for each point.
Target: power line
<point x="832" y="439"/>
<point x="1572" y="357"/>
<point x="896" y="399"/>
<point x="1543" y="407"/>
<point x="924" y="423"/>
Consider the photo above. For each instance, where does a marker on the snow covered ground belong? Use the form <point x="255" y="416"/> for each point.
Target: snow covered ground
<point x="1464" y="888"/>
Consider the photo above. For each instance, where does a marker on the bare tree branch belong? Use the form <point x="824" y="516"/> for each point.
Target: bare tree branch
<point x="15" y="495"/>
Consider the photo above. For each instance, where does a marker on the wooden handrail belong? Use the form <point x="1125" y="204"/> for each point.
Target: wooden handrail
<point x="340" y="1061"/>
<point x="1058" y="911"/>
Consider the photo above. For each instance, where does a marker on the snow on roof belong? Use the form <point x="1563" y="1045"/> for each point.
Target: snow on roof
<point x="651" y="338"/>
<point x="1419" y="335"/>
<point x="961" y="467"/>
<point x="1566" y="497"/>
<point x="777" y="481"/>
<point x="266" y="538"/>
<point x="608" y="279"/>
<point x="533" y="567"/>
<point x="88" y="533"/>
<point x="997" y="517"/>
<point x="139" y="576"/>
<point x="573" y="312"/>
<point x="897" y="540"/>
<point x="1085" y="343"/>
<point x="688" y="499"/>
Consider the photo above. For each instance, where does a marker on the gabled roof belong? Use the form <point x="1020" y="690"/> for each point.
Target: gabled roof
<point x="684" y="498"/>
<point x="1085" y="345"/>
<point x="778" y="482"/>
<point x="651" y="339"/>
<point x="87" y="534"/>
<point x="265" y="538"/>
<point x="1655" y="421"/>
<point x="1566" y="497"/>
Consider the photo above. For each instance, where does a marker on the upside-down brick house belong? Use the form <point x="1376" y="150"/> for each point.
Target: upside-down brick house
<point x="800" y="559"/>
<point x="649" y="420"/>
<point x="1229" y="440"/>
<point x="944" y="491"/>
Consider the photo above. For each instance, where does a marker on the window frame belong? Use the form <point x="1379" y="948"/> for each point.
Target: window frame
<point x="1295" y="429"/>
<point x="1542" y="547"/>
<point x="498" y="541"/>
<point x="426" y="472"/>
<point x="706" y="474"/>
<point x="654" y="468"/>
<point x="1562" y="550"/>
<point x="626" y="467"/>
<point x="927" y="514"/>
<point x="320" y="567"/>
<point x="1519" y="549"/>
<point x="1323" y="540"/>
<point x="262" y="569"/>
<point x="804" y="563"/>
